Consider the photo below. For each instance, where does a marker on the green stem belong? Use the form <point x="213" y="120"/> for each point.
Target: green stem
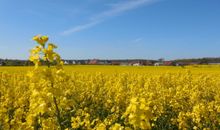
<point x="58" y="114"/>
<point x="59" y="120"/>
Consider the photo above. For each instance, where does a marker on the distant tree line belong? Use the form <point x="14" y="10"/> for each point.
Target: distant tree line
<point x="199" y="60"/>
<point x="12" y="62"/>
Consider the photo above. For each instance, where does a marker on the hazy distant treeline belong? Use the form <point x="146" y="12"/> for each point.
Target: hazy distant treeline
<point x="12" y="62"/>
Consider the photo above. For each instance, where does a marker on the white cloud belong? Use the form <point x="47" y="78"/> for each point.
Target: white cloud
<point x="138" y="40"/>
<point x="117" y="9"/>
<point x="80" y="27"/>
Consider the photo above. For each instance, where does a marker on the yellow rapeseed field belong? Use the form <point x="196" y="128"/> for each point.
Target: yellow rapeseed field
<point x="61" y="97"/>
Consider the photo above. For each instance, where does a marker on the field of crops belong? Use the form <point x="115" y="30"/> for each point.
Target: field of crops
<point x="57" y="97"/>
<point x="111" y="97"/>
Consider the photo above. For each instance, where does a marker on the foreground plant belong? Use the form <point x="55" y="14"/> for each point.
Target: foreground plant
<point x="45" y="85"/>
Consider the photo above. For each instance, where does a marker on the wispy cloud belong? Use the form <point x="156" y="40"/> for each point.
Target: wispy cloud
<point x="138" y="40"/>
<point x="80" y="27"/>
<point x="117" y="9"/>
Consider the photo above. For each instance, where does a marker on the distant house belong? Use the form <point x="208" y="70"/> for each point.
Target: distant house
<point x="73" y="62"/>
<point x="137" y="64"/>
<point x="124" y="63"/>
<point x="93" y="62"/>
<point x="108" y="62"/>
<point x="86" y="62"/>
<point x="2" y="63"/>
<point x="66" y="62"/>
<point x="158" y="64"/>
<point x="168" y="63"/>
<point x="164" y="63"/>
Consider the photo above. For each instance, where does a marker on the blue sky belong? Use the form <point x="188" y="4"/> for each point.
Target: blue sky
<point x="112" y="29"/>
